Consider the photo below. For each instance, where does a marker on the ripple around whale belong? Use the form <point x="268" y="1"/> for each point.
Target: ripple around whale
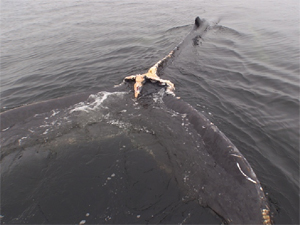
<point x="151" y="160"/>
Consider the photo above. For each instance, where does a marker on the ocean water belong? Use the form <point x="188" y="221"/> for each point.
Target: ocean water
<point x="243" y="74"/>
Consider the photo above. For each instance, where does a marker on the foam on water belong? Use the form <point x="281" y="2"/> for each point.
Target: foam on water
<point x="47" y="126"/>
<point x="95" y="101"/>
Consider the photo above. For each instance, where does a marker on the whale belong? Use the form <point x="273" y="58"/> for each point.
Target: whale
<point x="105" y="156"/>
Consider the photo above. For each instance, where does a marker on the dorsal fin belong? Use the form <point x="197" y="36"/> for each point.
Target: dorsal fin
<point x="197" y="21"/>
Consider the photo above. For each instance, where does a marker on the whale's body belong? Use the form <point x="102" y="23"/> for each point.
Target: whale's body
<point x="183" y="143"/>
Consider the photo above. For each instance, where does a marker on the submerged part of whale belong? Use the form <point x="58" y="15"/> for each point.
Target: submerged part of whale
<point x="107" y="158"/>
<point x="159" y="151"/>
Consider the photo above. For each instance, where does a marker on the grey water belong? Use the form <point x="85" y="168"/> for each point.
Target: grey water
<point x="243" y="74"/>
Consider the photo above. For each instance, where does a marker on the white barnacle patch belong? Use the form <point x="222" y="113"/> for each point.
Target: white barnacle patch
<point x="233" y="149"/>
<point x="236" y="155"/>
<point x="21" y="139"/>
<point x="109" y="178"/>
<point x="186" y="178"/>
<point x="5" y="129"/>
<point x="107" y="218"/>
<point x="185" y="219"/>
<point x="248" y="178"/>
<point x="266" y="216"/>
<point x="54" y="113"/>
<point x="82" y="222"/>
<point x="214" y="128"/>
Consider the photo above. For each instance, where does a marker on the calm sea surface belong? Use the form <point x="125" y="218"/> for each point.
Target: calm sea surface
<point x="243" y="74"/>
